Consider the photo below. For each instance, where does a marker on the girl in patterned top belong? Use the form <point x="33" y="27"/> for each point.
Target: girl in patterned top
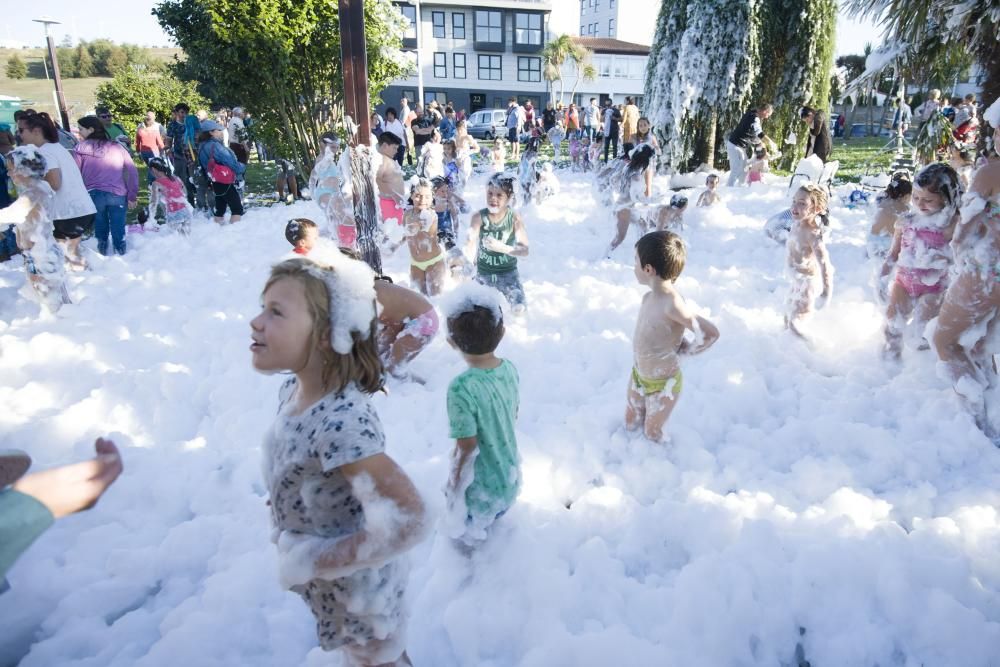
<point x="343" y="513"/>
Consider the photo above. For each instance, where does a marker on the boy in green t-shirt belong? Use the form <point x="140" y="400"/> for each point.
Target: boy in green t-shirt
<point x="482" y="407"/>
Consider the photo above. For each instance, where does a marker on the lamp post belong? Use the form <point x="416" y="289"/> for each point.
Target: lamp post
<point x="60" y="97"/>
<point x="420" y="71"/>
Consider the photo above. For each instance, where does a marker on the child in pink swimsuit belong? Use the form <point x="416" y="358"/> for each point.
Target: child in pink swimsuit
<point x="920" y="255"/>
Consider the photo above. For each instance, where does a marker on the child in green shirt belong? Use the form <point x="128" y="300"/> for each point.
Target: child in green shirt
<point x="482" y="407"/>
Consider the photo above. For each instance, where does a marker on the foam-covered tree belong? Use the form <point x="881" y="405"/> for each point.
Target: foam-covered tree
<point x="711" y="60"/>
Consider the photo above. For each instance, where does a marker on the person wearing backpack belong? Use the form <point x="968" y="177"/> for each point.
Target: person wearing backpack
<point x="223" y="170"/>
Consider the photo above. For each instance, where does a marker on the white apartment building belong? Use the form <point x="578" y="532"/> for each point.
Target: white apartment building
<point x="628" y="20"/>
<point x="621" y="72"/>
<point x="474" y="54"/>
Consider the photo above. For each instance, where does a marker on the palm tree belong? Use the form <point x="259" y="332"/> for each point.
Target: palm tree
<point x="557" y="52"/>
<point x="929" y="27"/>
<point x="584" y="71"/>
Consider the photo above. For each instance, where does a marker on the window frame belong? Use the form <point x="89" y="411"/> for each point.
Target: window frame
<point x="531" y="71"/>
<point x="529" y="17"/>
<point x="488" y="27"/>
<point x="434" y="25"/>
<point x="405" y="10"/>
<point x="443" y="65"/>
<point x="455" y="28"/>
<point x="489" y="68"/>
<point x="611" y="27"/>
<point x="455" y="66"/>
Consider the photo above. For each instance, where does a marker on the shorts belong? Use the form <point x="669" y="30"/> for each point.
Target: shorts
<point x="354" y="610"/>
<point x="390" y="210"/>
<point x="425" y="326"/>
<point x="512" y="135"/>
<point x="286" y="168"/>
<point x="72" y="228"/>
<point x="648" y="386"/>
<point x="347" y="235"/>
<point x="915" y="281"/>
<point x="507" y="283"/>
<point x="227" y="195"/>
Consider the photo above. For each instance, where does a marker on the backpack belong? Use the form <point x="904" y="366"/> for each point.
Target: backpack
<point x="219" y="173"/>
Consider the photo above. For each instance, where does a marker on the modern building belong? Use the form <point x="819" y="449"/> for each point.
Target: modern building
<point x="628" y="20"/>
<point x="621" y="72"/>
<point x="474" y="53"/>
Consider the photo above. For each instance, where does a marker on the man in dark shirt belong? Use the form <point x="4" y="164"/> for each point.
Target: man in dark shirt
<point x="423" y="127"/>
<point x="748" y="133"/>
<point x="819" y="142"/>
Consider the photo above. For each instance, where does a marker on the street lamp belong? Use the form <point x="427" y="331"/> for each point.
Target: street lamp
<point x="420" y="71"/>
<point x="60" y="97"/>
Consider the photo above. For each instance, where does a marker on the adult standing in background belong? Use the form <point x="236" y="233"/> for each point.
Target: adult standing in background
<point x="394" y="126"/>
<point x="406" y="117"/>
<point x="181" y="136"/>
<point x="612" y="128"/>
<point x="515" y="119"/>
<point x="591" y="118"/>
<point x="148" y="141"/>
<point x="630" y="119"/>
<point x="238" y="136"/>
<point x="747" y="134"/>
<point x="423" y="127"/>
<point x="111" y="180"/>
<point x="819" y="142"/>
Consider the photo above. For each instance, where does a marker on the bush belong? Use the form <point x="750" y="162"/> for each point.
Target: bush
<point x="131" y="93"/>
<point x="16" y="68"/>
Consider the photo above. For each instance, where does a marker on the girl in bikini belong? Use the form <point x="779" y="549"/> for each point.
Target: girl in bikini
<point x="420" y="224"/>
<point x="332" y="192"/>
<point x="920" y="255"/>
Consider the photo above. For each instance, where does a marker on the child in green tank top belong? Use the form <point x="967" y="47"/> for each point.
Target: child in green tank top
<point x="498" y="236"/>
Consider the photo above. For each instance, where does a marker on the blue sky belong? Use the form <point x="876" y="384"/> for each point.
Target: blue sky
<point x="131" y="21"/>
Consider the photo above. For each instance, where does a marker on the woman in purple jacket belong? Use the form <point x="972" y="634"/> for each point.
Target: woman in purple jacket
<point x="111" y="179"/>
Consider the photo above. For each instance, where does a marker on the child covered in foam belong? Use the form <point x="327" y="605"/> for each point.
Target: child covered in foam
<point x="656" y="380"/>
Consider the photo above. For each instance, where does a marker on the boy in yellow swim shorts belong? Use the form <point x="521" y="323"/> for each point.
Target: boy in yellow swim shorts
<point x="656" y="381"/>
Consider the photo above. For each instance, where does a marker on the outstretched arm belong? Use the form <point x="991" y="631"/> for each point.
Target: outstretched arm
<point x="705" y="332"/>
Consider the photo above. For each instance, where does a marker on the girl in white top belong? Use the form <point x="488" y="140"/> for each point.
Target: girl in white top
<point x="71" y="209"/>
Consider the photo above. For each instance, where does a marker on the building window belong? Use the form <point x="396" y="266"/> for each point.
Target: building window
<point x="458" y="65"/>
<point x="458" y="25"/>
<point x="529" y="69"/>
<point x="489" y="68"/>
<point x="440" y="66"/>
<point x="409" y="95"/>
<point x="597" y="30"/>
<point x="489" y="27"/>
<point x="410" y="13"/>
<point x="583" y="30"/>
<point x="597" y="5"/>
<point x="611" y="4"/>
<point x="434" y="96"/>
<point x="437" y="20"/>
<point x="621" y="68"/>
<point x="603" y="65"/>
<point x="611" y="27"/>
<point x="528" y="29"/>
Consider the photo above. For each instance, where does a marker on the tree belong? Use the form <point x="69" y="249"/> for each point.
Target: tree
<point x="556" y="53"/>
<point x="67" y="62"/>
<point x="130" y="94"/>
<point x="920" y="29"/>
<point x="281" y="60"/>
<point x="84" y="62"/>
<point x="16" y="68"/>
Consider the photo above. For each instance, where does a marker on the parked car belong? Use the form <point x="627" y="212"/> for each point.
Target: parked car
<point x="488" y="123"/>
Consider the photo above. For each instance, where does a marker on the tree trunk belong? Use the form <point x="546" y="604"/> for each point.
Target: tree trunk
<point x="713" y="125"/>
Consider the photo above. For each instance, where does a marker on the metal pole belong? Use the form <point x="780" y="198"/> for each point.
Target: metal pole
<point x="60" y="97"/>
<point x="420" y="64"/>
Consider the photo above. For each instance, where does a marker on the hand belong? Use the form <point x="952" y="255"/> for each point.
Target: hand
<point x="495" y="245"/>
<point x="76" y="487"/>
<point x="131" y="205"/>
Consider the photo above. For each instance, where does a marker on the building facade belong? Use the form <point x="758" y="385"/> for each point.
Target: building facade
<point x="631" y="21"/>
<point x="621" y="72"/>
<point x="474" y="54"/>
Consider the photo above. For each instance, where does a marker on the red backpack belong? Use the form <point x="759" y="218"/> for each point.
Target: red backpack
<point x="219" y="173"/>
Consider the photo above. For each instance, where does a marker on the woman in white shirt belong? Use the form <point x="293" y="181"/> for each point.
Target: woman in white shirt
<point x="394" y="125"/>
<point x="71" y="209"/>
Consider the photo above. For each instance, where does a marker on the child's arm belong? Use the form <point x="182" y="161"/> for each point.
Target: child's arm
<point x="705" y="332"/>
<point x="826" y="271"/>
<point x="890" y="259"/>
<point x="520" y="248"/>
<point x="395" y="514"/>
<point x="463" y="458"/>
<point x="475" y="224"/>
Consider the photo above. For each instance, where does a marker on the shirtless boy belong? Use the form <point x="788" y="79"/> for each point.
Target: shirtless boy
<point x="389" y="178"/>
<point x="710" y="196"/>
<point x="656" y="381"/>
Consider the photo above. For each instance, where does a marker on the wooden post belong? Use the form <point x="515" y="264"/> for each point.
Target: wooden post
<point x="354" y="62"/>
<point x="60" y="97"/>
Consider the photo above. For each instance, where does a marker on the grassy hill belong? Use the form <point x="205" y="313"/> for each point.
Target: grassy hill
<point x="39" y="92"/>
